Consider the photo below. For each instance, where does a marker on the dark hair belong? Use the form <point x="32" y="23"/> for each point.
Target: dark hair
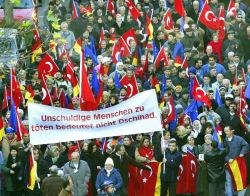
<point x="118" y="147"/>
<point x="212" y="56"/>
<point x="90" y="147"/>
<point x="143" y="139"/>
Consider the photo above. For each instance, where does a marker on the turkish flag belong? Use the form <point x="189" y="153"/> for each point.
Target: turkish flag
<point x="101" y="37"/>
<point x="129" y="36"/>
<point x="116" y="54"/>
<point x="15" y="91"/>
<point x="133" y="10"/>
<point x="178" y="6"/>
<point x="36" y="40"/>
<point x="148" y="180"/>
<point x="131" y="85"/>
<point x="124" y="49"/>
<point x="70" y="75"/>
<point x="46" y="99"/>
<point x="47" y="66"/>
<point x="231" y="10"/>
<point x="168" y="21"/>
<point x="222" y="24"/>
<point x="5" y="99"/>
<point x="161" y="57"/>
<point x="208" y="18"/>
<point x="187" y="174"/>
<point x="111" y="7"/>
<point x="171" y="113"/>
<point x="133" y="180"/>
<point x="87" y="99"/>
<point x="199" y="93"/>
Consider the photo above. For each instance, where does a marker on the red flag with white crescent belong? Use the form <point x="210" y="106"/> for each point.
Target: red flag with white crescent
<point x="46" y="98"/>
<point x="171" y="113"/>
<point x="130" y="84"/>
<point x="231" y="10"/>
<point x="129" y="35"/>
<point x="168" y="21"/>
<point x="187" y="174"/>
<point x="111" y="7"/>
<point x="133" y="10"/>
<point x="47" y="66"/>
<point x="116" y="54"/>
<point x="161" y="57"/>
<point x="208" y="18"/>
<point x="124" y="49"/>
<point x="199" y="93"/>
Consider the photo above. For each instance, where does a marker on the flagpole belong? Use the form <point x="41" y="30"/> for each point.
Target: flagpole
<point x="200" y="13"/>
<point x="162" y="143"/>
<point x="33" y="160"/>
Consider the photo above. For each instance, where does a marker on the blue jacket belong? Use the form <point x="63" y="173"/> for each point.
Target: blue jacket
<point x="171" y="166"/>
<point x="114" y="176"/>
<point x="235" y="147"/>
<point x="206" y="69"/>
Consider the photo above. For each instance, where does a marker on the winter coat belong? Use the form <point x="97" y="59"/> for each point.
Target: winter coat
<point x="171" y="166"/>
<point x="80" y="177"/>
<point x="216" y="165"/>
<point x="114" y="176"/>
<point x="13" y="182"/>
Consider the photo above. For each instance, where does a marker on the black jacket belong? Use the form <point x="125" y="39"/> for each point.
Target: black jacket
<point x="216" y="165"/>
<point x="122" y="164"/>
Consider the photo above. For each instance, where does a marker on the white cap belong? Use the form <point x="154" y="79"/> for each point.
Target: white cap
<point x="186" y="26"/>
<point x="109" y="161"/>
<point x="106" y="59"/>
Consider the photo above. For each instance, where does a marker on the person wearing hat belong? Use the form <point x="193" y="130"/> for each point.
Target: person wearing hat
<point x="9" y="140"/>
<point x="79" y="172"/>
<point x="53" y="184"/>
<point x="109" y="173"/>
<point x="230" y="44"/>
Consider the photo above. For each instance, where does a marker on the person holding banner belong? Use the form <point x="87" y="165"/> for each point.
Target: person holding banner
<point x="171" y="162"/>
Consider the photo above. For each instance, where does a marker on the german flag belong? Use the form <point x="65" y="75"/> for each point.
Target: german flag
<point x="155" y="84"/>
<point x="135" y="58"/>
<point x="32" y="167"/>
<point x="2" y="133"/>
<point x="149" y="28"/>
<point x="78" y="46"/>
<point x="36" y="45"/>
<point x="239" y="170"/>
<point x="148" y="182"/>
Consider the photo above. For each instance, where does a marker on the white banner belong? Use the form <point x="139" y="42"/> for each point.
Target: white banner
<point x="139" y="114"/>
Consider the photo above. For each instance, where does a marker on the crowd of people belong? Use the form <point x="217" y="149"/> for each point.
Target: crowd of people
<point x="101" y="166"/>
